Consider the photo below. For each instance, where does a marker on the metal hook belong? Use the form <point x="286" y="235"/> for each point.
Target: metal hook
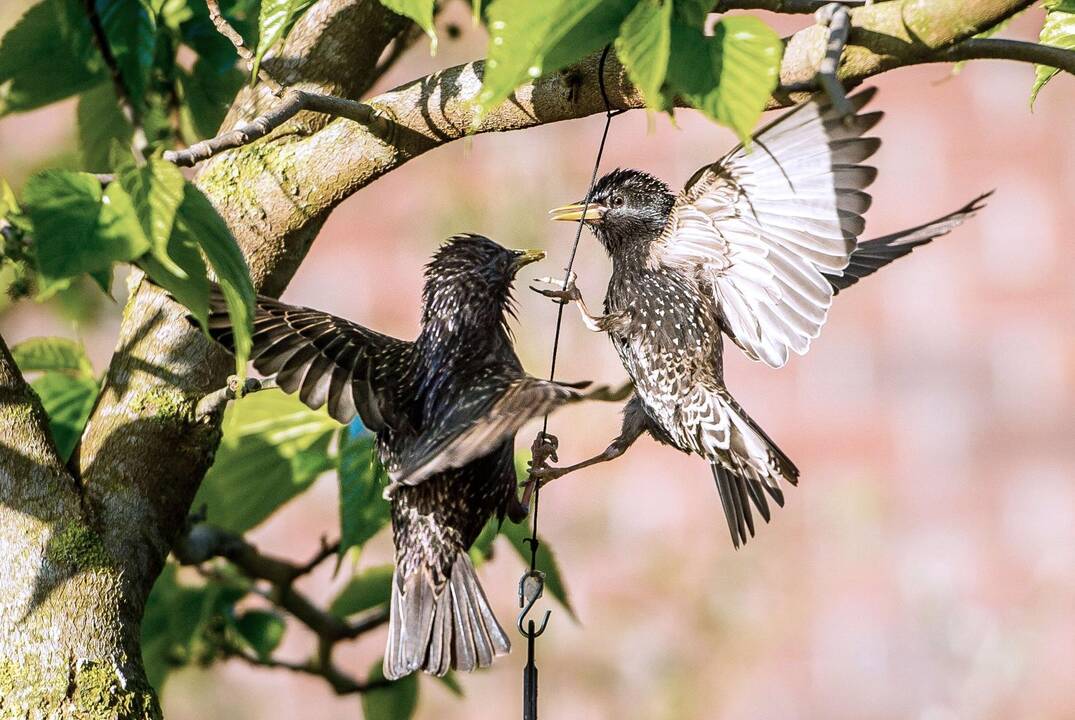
<point x="531" y="587"/>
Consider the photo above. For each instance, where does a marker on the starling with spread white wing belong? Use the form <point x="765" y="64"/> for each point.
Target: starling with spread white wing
<point x="445" y="409"/>
<point x="755" y="246"/>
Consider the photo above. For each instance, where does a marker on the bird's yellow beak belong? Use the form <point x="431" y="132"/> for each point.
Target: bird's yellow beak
<point x="525" y="257"/>
<point x="591" y="212"/>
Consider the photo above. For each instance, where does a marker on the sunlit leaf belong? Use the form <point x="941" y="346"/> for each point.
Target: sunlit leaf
<point x="46" y="56"/>
<point x="156" y="191"/>
<point x="366" y="590"/>
<point x="77" y="228"/>
<point x="643" y="46"/>
<point x="1059" y="31"/>
<point x="52" y="354"/>
<point x="730" y="75"/>
<point x="275" y="22"/>
<point x="274" y="447"/>
<point x="363" y="510"/>
<point x="397" y="701"/>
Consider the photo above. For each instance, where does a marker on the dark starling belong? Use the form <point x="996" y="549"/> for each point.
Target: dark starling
<point x="756" y="246"/>
<point x="445" y="409"/>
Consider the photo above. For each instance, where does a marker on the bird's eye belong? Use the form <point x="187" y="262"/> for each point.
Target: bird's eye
<point x="617" y="201"/>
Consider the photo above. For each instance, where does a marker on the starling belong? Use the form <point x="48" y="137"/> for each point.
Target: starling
<point x="445" y="409"/>
<point x="756" y="245"/>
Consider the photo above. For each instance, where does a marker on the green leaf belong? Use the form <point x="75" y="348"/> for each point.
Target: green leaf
<point x="275" y="22"/>
<point x="262" y="630"/>
<point x="156" y="191"/>
<point x="274" y="447"/>
<point x="197" y="221"/>
<point x="528" y="39"/>
<point x="68" y="400"/>
<point x="77" y="229"/>
<point x="363" y="510"/>
<point x="421" y="11"/>
<point x="131" y="29"/>
<point x="1059" y="31"/>
<point x="730" y="75"/>
<point x="46" y="56"/>
<point x="52" y="354"/>
<point x="396" y="701"/>
<point x="643" y="46"/>
<point x="366" y="590"/>
<point x="206" y="93"/>
<point x="191" y="287"/>
<point x="100" y="124"/>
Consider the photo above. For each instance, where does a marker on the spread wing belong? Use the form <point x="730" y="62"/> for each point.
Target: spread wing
<point x="764" y="227"/>
<point x="325" y="359"/>
<point x="872" y="255"/>
<point x="488" y="414"/>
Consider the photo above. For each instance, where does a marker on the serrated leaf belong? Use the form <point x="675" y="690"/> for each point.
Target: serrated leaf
<point x="528" y="39"/>
<point x="100" y="124"/>
<point x="420" y="11"/>
<point x="198" y="222"/>
<point x="46" y="56"/>
<point x="261" y="630"/>
<point x="730" y="75"/>
<point x="643" y="46"/>
<point x="131" y="29"/>
<point x="363" y="510"/>
<point x="396" y="701"/>
<point x="58" y="354"/>
<point x="68" y="401"/>
<point x="77" y="228"/>
<point x="368" y="589"/>
<point x="206" y="94"/>
<point x="1058" y="31"/>
<point x="191" y="288"/>
<point x="275" y="21"/>
<point x="274" y="447"/>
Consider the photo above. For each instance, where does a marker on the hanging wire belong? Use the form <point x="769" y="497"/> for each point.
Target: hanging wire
<point x="532" y="584"/>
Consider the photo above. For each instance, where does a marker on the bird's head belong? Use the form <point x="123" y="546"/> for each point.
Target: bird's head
<point x="628" y="210"/>
<point x="468" y="281"/>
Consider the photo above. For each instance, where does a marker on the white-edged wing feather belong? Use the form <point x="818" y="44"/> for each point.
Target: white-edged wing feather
<point x="763" y="228"/>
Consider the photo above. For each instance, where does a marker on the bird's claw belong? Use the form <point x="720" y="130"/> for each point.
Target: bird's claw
<point x="543" y="475"/>
<point x="560" y="291"/>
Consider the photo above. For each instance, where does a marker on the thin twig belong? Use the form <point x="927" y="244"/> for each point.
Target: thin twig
<point x="291" y="102"/>
<point x="327" y="550"/>
<point x="215" y="401"/>
<point x="786" y="7"/>
<point x="131" y="112"/>
<point x="224" y="28"/>
<point x="1001" y="49"/>
<point x="342" y="684"/>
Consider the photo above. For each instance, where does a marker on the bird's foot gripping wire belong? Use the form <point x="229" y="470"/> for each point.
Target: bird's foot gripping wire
<point x="560" y="291"/>
<point x="543" y="450"/>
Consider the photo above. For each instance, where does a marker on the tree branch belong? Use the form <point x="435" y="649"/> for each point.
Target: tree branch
<point x="225" y="28"/>
<point x="1018" y="50"/>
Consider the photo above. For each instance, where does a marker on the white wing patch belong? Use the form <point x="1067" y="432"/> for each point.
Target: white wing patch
<point x="761" y="227"/>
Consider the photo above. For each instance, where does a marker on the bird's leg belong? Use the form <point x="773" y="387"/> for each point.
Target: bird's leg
<point x="633" y="427"/>
<point x="569" y="293"/>
<point x="837" y="18"/>
<point x="215" y="401"/>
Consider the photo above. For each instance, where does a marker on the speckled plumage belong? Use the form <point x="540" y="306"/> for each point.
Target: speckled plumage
<point x="445" y="409"/>
<point x="754" y="247"/>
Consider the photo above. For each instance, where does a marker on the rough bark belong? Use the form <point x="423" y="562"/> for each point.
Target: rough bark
<point x="81" y="551"/>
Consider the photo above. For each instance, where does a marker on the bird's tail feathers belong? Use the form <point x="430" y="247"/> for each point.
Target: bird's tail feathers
<point x="438" y="629"/>
<point x="751" y="469"/>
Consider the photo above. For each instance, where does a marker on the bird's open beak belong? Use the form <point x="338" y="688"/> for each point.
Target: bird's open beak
<point x="525" y="257"/>
<point x="587" y="212"/>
